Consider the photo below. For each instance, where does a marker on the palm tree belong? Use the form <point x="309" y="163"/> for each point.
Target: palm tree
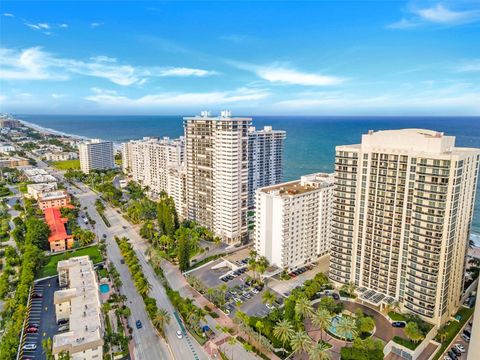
<point x="268" y="297"/>
<point x="347" y="328"/>
<point x="303" y="308"/>
<point x="442" y="333"/>
<point x="322" y="320"/>
<point x="349" y="288"/>
<point x="162" y="318"/>
<point x="319" y="352"/>
<point x="259" y="325"/>
<point x="253" y="267"/>
<point x="301" y="342"/>
<point x="283" y="331"/>
<point x="413" y="332"/>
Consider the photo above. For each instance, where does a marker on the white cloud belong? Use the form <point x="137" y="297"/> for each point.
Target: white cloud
<point x="58" y="96"/>
<point x="8" y="15"/>
<point x="63" y="26"/>
<point x="43" y="26"/>
<point x="438" y="14"/>
<point x="36" y="64"/>
<point x="280" y="73"/>
<point x="469" y="66"/>
<point x="94" y="25"/>
<point x="167" y="99"/>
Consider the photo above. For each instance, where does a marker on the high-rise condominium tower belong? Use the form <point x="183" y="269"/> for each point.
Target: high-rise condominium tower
<point x="265" y="159"/>
<point x="403" y="205"/>
<point x="293" y="220"/>
<point x="216" y="154"/>
<point x="96" y="155"/>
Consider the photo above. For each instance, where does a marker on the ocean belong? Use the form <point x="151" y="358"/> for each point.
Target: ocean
<point x="310" y="143"/>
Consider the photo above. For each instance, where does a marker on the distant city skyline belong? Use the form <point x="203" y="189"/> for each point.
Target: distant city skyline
<point x="255" y="58"/>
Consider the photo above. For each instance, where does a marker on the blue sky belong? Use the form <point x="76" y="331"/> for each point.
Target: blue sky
<point x="256" y="58"/>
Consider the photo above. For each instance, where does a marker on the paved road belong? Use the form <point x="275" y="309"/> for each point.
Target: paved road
<point x="120" y="227"/>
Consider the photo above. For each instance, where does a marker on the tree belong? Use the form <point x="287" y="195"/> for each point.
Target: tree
<point x="413" y="332"/>
<point x="303" y="308"/>
<point x="301" y="342"/>
<point x="259" y="326"/>
<point x="319" y="352"/>
<point x="283" y="331"/>
<point x="47" y="348"/>
<point x="83" y="236"/>
<point x="37" y="233"/>
<point x="365" y="325"/>
<point x="442" y="334"/>
<point x="183" y="236"/>
<point x="349" y="288"/>
<point x="322" y="320"/>
<point x="268" y="297"/>
<point x="64" y="355"/>
<point x="162" y="318"/>
<point x="346" y="328"/>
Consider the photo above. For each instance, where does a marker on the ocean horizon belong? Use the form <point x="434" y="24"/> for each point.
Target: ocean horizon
<point x="309" y="146"/>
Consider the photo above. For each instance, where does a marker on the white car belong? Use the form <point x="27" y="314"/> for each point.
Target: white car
<point x="30" y="347"/>
<point x="255" y="291"/>
<point x="465" y="337"/>
<point x="270" y="306"/>
<point x="179" y="334"/>
<point x="460" y="348"/>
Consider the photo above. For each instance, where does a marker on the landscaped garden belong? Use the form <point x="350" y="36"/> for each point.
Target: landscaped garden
<point x="50" y="267"/>
<point x="66" y="164"/>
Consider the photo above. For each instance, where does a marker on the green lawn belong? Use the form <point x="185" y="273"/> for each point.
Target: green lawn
<point x="50" y="268"/>
<point x="396" y="316"/>
<point x="66" y="164"/>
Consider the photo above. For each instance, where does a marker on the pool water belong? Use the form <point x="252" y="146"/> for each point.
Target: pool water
<point x="104" y="288"/>
<point x="333" y="328"/>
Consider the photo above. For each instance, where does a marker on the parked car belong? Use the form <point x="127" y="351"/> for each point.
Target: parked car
<point x="104" y="236"/>
<point x="179" y="334"/>
<point x="32" y="330"/>
<point x="398" y="324"/>
<point x="37" y="296"/>
<point x="465" y="337"/>
<point x="255" y="291"/>
<point x="224" y="279"/>
<point x="460" y="348"/>
<point x="336" y="296"/>
<point x="467" y="332"/>
<point x="29" y="347"/>
<point x="452" y="355"/>
<point x="456" y="351"/>
<point x="63" y="328"/>
<point x="270" y="306"/>
<point x="446" y="357"/>
<point x="138" y="324"/>
<point x="34" y="325"/>
<point x="62" y="321"/>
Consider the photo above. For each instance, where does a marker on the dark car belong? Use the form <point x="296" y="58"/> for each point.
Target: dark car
<point x="62" y="321"/>
<point x="468" y="333"/>
<point x="37" y="295"/>
<point x="336" y="296"/>
<point x="138" y="324"/>
<point x="398" y="324"/>
<point x="452" y="355"/>
<point x="122" y="261"/>
<point x="224" y="279"/>
<point x="456" y="351"/>
<point x="104" y="236"/>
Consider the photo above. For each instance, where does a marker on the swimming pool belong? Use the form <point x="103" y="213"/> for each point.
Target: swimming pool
<point x="104" y="288"/>
<point x="333" y="328"/>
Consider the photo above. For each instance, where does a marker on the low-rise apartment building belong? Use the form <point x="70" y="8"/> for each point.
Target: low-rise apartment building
<point x="60" y="238"/>
<point x="35" y="190"/>
<point x="36" y="175"/>
<point x="13" y="161"/>
<point x="80" y="304"/>
<point x="53" y="199"/>
<point x="60" y="156"/>
<point x="293" y="220"/>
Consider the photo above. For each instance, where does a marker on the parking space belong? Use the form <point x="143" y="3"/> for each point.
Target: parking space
<point x="212" y="274"/>
<point x="41" y="323"/>
<point x="460" y="344"/>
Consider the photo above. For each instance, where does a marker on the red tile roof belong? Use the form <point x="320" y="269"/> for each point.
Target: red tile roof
<point x="54" y="219"/>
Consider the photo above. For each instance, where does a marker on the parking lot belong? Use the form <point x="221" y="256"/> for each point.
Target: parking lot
<point x="460" y="339"/>
<point x="41" y="315"/>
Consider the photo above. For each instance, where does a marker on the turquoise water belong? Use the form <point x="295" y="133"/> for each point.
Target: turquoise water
<point x="310" y="143"/>
<point x="333" y="328"/>
<point x="104" y="288"/>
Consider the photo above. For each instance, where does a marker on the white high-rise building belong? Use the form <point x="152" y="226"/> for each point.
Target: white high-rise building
<point x="403" y="206"/>
<point x="216" y="154"/>
<point x="293" y="220"/>
<point x="127" y="153"/>
<point x="96" y="155"/>
<point x="265" y="159"/>
<point x="149" y="159"/>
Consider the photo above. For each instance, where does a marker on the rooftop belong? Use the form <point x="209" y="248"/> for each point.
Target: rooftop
<point x="224" y="115"/>
<point x="56" y="223"/>
<point x="306" y="184"/>
<point x="53" y="195"/>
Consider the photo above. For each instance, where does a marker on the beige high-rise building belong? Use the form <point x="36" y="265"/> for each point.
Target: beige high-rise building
<point x="403" y="206"/>
<point x="293" y="220"/>
<point x="216" y="154"/>
<point x="96" y="155"/>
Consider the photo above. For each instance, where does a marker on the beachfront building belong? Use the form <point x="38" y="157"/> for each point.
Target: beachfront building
<point x="293" y="220"/>
<point x="35" y="190"/>
<point x="6" y="121"/>
<point x="265" y="159"/>
<point x="96" y="155"/>
<point x="80" y="303"/>
<point x="216" y="156"/>
<point x="60" y="156"/>
<point x="126" y="151"/>
<point x="53" y="199"/>
<point x="60" y="238"/>
<point x="403" y="206"/>
<point x="177" y="189"/>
